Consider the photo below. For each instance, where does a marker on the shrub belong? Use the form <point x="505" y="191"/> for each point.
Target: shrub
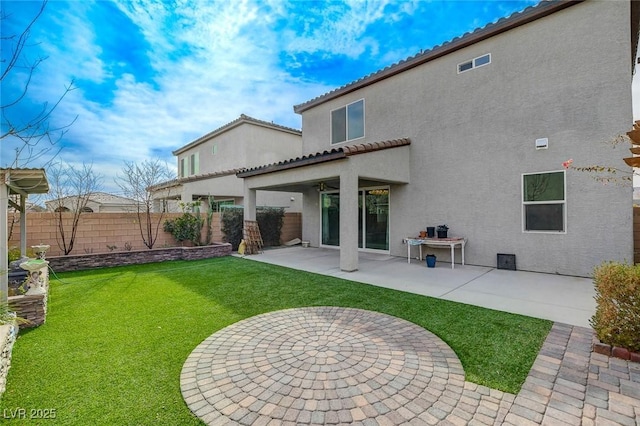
<point x="14" y="254"/>
<point x="232" y="226"/>
<point x="184" y="228"/>
<point x="617" y="317"/>
<point x="269" y="220"/>
<point x="188" y="226"/>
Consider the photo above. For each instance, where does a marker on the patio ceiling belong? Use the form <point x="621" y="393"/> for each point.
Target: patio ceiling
<point x="25" y="181"/>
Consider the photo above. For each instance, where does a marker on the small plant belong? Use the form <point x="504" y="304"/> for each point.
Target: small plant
<point x="128" y="246"/>
<point x="14" y="254"/>
<point x="443" y="228"/>
<point x="88" y="250"/>
<point x="187" y="227"/>
<point x="112" y="248"/>
<point x="617" y="318"/>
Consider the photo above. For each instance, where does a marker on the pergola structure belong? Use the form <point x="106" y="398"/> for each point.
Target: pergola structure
<point x="20" y="182"/>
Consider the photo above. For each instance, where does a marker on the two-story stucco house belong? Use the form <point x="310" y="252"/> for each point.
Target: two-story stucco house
<point x="208" y="165"/>
<point x="473" y="134"/>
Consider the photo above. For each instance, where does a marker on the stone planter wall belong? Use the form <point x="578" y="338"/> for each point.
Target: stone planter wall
<point x="33" y="308"/>
<point x="8" y="334"/>
<point x="102" y="260"/>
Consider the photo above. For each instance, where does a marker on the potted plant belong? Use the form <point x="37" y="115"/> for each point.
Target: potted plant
<point x="442" y="231"/>
<point x="431" y="231"/>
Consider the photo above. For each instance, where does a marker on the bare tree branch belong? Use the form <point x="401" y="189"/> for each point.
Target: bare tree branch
<point x="30" y="132"/>
<point x="135" y="182"/>
<point x="71" y="190"/>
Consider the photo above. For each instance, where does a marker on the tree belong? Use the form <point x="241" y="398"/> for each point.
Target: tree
<point x="15" y="66"/>
<point x="71" y="188"/>
<point x="614" y="174"/>
<point x="136" y="181"/>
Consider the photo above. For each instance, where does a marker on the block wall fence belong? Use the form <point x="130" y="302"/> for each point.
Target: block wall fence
<point x="96" y="231"/>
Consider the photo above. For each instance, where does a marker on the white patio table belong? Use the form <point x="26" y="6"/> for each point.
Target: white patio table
<point x="451" y="242"/>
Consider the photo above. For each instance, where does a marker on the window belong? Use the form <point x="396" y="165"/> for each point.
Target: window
<point x="183" y="167"/>
<point x="544" y="202"/>
<point x="347" y="123"/>
<point x="474" y="63"/>
<point x="217" y="205"/>
<point x="214" y="149"/>
<point x="195" y="164"/>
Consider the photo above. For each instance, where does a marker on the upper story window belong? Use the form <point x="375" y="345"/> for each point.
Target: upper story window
<point x="347" y="123"/>
<point x="544" y="202"/>
<point x="195" y="164"/>
<point x="474" y="63"/>
<point x="183" y="167"/>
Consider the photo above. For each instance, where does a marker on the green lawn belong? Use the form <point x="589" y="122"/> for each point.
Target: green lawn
<point x="115" y="340"/>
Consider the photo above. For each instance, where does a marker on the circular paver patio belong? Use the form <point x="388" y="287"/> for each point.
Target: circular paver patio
<point x="321" y="365"/>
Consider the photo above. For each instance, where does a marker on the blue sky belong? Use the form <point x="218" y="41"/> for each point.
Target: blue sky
<point x="152" y="76"/>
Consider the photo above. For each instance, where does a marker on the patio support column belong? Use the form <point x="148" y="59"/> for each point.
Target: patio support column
<point x="249" y="204"/>
<point x="4" y="235"/>
<point x="23" y="225"/>
<point x="348" y="220"/>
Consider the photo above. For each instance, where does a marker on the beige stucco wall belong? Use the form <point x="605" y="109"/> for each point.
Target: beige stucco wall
<point x="566" y="77"/>
<point x="243" y="146"/>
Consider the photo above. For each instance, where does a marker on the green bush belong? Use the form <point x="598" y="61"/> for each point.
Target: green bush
<point x="184" y="228"/>
<point x="232" y="226"/>
<point x="269" y="221"/>
<point x="14" y="254"/>
<point x="617" y="317"/>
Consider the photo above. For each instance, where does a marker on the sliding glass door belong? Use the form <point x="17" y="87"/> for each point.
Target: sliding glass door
<point x="373" y="218"/>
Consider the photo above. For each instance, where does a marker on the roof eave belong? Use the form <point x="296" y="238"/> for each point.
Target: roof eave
<point x="243" y="119"/>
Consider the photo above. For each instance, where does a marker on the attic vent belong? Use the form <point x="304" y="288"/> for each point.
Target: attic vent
<point x="474" y="63"/>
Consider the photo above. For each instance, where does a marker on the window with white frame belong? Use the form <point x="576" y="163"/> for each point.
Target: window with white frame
<point x="474" y="63"/>
<point x="544" y="201"/>
<point x="194" y="164"/>
<point x="347" y="123"/>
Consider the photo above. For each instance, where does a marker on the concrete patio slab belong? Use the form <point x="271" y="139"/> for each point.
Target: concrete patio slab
<point x="560" y="298"/>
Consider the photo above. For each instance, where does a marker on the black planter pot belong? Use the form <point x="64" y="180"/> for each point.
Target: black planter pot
<point x="431" y="231"/>
<point x="442" y="234"/>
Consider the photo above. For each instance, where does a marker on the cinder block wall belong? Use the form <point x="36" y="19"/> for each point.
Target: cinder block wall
<point x="96" y="231"/>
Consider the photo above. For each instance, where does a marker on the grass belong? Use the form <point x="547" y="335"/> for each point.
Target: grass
<point x="115" y="340"/>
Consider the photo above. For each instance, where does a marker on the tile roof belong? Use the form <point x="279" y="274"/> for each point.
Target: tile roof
<point x="240" y="120"/>
<point x="179" y="181"/>
<point x="531" y="13"/>
<point x="324" y="156"/>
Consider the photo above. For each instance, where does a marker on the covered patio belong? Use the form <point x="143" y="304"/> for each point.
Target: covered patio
<point x="345" y="170"/>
